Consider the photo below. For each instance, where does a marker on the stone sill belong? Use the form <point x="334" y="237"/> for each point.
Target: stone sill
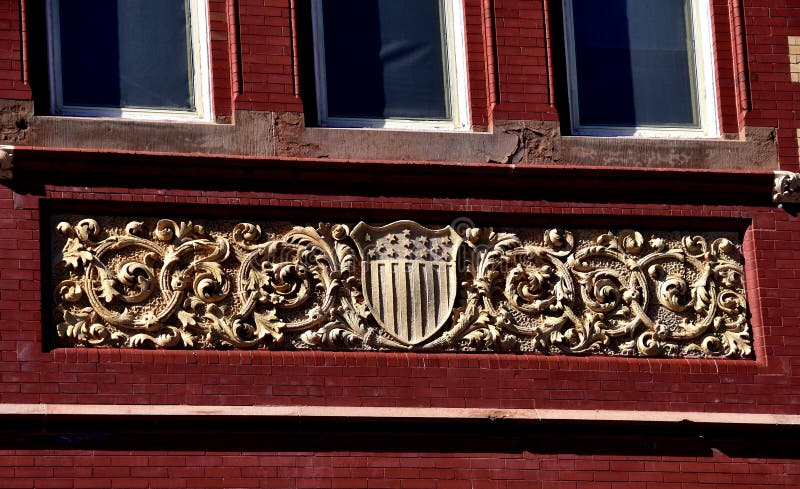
<point x="756" y="152"/>
<point x="285" y="134"/>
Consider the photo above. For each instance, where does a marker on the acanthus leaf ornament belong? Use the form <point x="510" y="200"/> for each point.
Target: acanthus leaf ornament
<point x="401" y="286"/>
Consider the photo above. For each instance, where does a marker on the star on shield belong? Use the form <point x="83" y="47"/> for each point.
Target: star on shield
<point x="411" y="295"/>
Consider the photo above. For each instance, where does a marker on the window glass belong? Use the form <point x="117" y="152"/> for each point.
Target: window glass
<point x="385" y="59"/>
<point x="634" y="63"/>
<point x="125" y="53"/>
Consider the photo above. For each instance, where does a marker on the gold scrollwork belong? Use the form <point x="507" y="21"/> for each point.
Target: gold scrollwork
<point x="173" y="284"/>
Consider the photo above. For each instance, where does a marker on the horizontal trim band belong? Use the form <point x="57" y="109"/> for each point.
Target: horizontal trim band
<point x="295" y="176"/>
<point x="404" y="413"/>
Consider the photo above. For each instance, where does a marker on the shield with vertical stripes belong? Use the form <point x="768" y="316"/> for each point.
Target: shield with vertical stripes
<point x="409" y="277"/>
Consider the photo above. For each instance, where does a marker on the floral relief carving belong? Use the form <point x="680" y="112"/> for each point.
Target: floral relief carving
<point x="402" y="286"/>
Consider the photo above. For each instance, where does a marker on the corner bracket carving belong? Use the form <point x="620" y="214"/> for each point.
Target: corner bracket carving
<point x="787" y="188"/>
<point x="6" y="162"/>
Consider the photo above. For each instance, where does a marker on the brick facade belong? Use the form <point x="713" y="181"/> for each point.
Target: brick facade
<point x="518" y="166"/>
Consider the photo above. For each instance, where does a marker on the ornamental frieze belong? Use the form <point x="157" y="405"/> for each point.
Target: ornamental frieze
<point x="400" y="286"/>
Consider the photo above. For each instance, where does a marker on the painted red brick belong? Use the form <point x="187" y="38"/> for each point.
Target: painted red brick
<point x="511" y="59"/>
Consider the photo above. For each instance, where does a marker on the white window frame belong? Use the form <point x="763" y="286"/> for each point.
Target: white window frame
<point x="202" y="112"/>
<point x="455" y="59"/>
<point x="704" y="80"/>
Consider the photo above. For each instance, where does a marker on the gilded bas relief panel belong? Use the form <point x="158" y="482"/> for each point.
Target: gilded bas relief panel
<point x="401" y="286"/>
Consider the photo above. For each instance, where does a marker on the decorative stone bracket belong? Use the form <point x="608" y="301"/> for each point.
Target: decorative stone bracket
<point x="168" y="284"/>
<point x="787" y="188"/>
<point x="6" y="162"/>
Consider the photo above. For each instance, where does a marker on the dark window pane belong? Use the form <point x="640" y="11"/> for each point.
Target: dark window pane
<point x="125" y="53"/>
<point x="89" y="52"/>
<point x="384" y="58"/>
<point x="635" y="63"/>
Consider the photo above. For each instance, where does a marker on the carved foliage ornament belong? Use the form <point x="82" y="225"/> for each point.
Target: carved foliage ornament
<point x="6" y="162"/>
<point x="398" y="287"/>
<point x="787" y="188"/>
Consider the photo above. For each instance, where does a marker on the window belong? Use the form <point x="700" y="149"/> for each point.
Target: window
<point x="129" y="58"/>
<point x="390" y="63"/>
<point x="640" y="67"/>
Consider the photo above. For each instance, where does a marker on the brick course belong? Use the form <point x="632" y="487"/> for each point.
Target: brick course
<point x="279" y="469"/>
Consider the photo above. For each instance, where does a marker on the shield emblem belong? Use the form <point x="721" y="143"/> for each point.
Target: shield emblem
<point x="409" y="277"/>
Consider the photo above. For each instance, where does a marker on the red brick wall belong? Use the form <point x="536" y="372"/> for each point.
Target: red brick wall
<point x="523" y="61"/>
<point x="512" y="56"/>
<point x="574" y="456"/>
<point x="13" y="73"/>
<point x="727" y="36"/>
<point x="508" y="469"/>
<point x="774" y="97"/>
<point x="267" y="59"/>
<point x="108" y="376"/>
<point x="477" y="31"/>
<point x="220" y="42"/>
